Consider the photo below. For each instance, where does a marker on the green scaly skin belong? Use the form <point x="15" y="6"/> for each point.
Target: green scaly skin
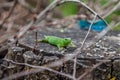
<point x="61" y="43"/>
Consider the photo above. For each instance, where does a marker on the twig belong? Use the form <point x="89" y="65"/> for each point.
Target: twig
<point x="112" y="10"/>
<point x="42" y="52"/>
<point x="50" y="7"/>
<point x="26" y="5"/>
<point x="39" y="18"/>
<point x="108" y="6"/>
<point x="54" y="4"/>
<point x="24" y="29"/>
<point x="78" y="50"/>
<point x="109" y="3"/>
<point x="39" y="6"/>
<point x="36" y="41"/>
<point x="108" y="59"/>
<point x="6" y="36"/>
<point x="87" y="7"/>
<point x="9" y="14"/>
<point x="36" y="38"/>
<point x="117" y="24"/>
<point x="38" y="69"/>
<point x="94" y="67"/>
<point x="88" y="31"/>
<point x="9" y="4"/>
<point x="97" y="38"/>
<point x="74" y="68"/>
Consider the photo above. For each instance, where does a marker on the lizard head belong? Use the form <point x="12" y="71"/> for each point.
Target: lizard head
<point x="67" y="41"/>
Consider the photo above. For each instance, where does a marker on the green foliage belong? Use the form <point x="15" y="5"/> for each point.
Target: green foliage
<point x="32" y="3"/>
<point x="117" y="28"/>
<point x="114" y="17"/>
<point x="85" y="1"/>
<point x="103" y="2"/>
<point x="68" y="9"/>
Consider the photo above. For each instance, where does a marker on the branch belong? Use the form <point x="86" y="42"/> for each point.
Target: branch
<point x="9" y="14"/>
<point x="26" y="5"/>
<point x="112" y="10"/>
<point x="24" y="29"/>
<point x="74" y="68"/>
<point x="35" y="70"/>
<point x="87" y="72"/>
<point x="43" y="13"/>
<point x="87" y="7"/>
<point x="6" y="4"/>
<point x="56" y="2"/>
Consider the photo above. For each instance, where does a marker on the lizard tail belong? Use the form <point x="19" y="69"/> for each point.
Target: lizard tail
<point x="43" y="40"/>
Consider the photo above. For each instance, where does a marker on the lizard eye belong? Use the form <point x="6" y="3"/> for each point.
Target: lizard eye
<point x="66" y="39"/>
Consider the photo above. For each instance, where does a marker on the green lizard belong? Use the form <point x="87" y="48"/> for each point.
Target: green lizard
<point x="61" y="43"/>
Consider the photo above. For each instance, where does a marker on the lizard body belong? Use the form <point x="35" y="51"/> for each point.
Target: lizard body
<point x="57" y="41"/>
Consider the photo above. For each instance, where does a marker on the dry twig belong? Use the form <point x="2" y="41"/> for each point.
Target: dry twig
<point x="112" y="10"/>
<point x="9" y="14"/>
<point x="35" y="70"/>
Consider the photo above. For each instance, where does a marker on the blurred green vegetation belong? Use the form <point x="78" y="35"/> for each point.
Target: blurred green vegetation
<point x="68" y="9"/>
<point x="103" y="2"/>
<point x="32" y="3"/>
<point x="71" y="8"/>
<point x="114" y="17"/>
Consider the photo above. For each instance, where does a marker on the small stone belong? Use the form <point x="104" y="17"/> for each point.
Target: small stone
<point x="88" y="54"/>
<point x="118" y="35"/>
